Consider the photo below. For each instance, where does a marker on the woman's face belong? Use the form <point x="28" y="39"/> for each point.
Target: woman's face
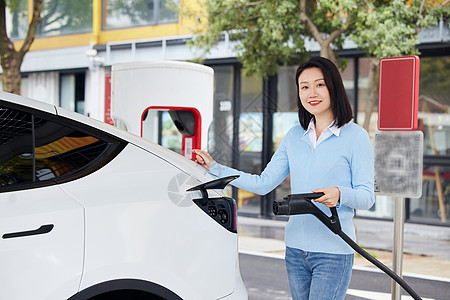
<point x="314" y="94"/>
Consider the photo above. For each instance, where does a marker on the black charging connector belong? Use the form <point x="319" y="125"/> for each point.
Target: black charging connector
<point x="302" y="204"/>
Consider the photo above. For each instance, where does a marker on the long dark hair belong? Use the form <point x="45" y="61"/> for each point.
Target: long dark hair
<point x="340" y="105"/>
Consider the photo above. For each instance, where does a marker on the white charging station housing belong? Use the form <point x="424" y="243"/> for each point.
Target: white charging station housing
<point x="138" y="88"/>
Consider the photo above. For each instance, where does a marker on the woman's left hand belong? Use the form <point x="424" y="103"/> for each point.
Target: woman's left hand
<point x="331" y="196"/>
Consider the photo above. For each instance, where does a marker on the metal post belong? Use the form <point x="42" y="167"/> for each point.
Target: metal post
<point x="269" y="99"/>
<point x="397" y="262"/>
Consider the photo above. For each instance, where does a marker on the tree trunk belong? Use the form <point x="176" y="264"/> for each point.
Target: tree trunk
<point x="373" y="91"/>
<point x="11" y="72"/>
<point x="11" y="60"/>
<point x="325" y="44"/>
<point x="326" y="51"/>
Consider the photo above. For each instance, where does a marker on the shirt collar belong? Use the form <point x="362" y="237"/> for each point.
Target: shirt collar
<point x="310" y="127"/>
<point x="332" y="127"/>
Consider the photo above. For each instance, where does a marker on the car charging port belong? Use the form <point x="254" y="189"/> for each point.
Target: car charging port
<point x="212" y="210"/>
<point x="221" y="209"/>
<point x="223" y="216"/>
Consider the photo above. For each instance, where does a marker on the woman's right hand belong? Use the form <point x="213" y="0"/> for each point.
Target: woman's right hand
<point x="203" y="158"/>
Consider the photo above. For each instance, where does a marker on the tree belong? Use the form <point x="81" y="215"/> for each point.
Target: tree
<point x="263" y="29"/>
<point x="328" y="21"/>
<point x="271" y="32"/>
<point x="11" y="59"/>
<point x="390" y="28"/>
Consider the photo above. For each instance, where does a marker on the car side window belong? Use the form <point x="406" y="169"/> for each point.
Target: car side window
<point x="16" y="147"/>
<point x="35" y="150"/>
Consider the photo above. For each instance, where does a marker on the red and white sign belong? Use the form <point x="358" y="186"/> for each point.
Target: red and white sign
<point x="187" y="142"/>
<point x="108" y="118"/>
<point x="398" y="97"/>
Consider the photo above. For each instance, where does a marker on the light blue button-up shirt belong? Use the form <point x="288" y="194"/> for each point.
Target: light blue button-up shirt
<point x="343" y="160"/>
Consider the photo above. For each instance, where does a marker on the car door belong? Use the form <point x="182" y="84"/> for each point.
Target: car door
<point x="42" y="244"/>
<point x="42" y="227"/>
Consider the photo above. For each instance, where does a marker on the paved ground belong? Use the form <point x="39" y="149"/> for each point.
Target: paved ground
<point x="426" y="248"/>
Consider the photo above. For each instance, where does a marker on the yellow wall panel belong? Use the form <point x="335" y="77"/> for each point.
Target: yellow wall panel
<point x="59" y="41"/>
<point x="137" y="33"/>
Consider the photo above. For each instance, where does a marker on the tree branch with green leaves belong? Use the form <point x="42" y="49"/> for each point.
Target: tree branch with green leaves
<point x="389" y="29"/>
<point x="273" y="32"/>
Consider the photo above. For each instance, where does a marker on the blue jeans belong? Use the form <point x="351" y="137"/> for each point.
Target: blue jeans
<point x="317" y="276"/>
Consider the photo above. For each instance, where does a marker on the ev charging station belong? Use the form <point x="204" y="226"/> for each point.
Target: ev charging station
<point x="142" y="90"/>
<point x="398" y="145"/>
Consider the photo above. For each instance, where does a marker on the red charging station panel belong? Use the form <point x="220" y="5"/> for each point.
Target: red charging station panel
<point x="187" y="142"/>
<point x="398" y="95"/>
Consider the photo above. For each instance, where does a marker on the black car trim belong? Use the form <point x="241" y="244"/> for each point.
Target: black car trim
<point x="41" y="230"/>
<point x="126" y="284"/>
<point x="219" y="184"/>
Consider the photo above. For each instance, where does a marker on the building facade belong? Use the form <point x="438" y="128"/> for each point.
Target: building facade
<point x="78" y="42"/>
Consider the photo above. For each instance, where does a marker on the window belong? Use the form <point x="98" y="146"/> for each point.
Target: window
<point x="17" y="20"/>
<point x="364" y="93"/>
<point x="434" y="121"/>
<point x="220" y="137"/>
<point x="434" y="104"/>
<point x="125" y="14"/>
<point x="16" y="151"/>
<point x="61" y="17"/>
<point x="72" y="92"/>
<point x="250" y="137"/>
<point x="35" y="150"/>
<point x="285" y="117"/>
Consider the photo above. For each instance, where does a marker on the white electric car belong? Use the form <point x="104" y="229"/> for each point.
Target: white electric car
<point x="88" y="211"/>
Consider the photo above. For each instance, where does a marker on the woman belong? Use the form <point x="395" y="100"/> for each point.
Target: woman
<point x="325" y="153"/>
